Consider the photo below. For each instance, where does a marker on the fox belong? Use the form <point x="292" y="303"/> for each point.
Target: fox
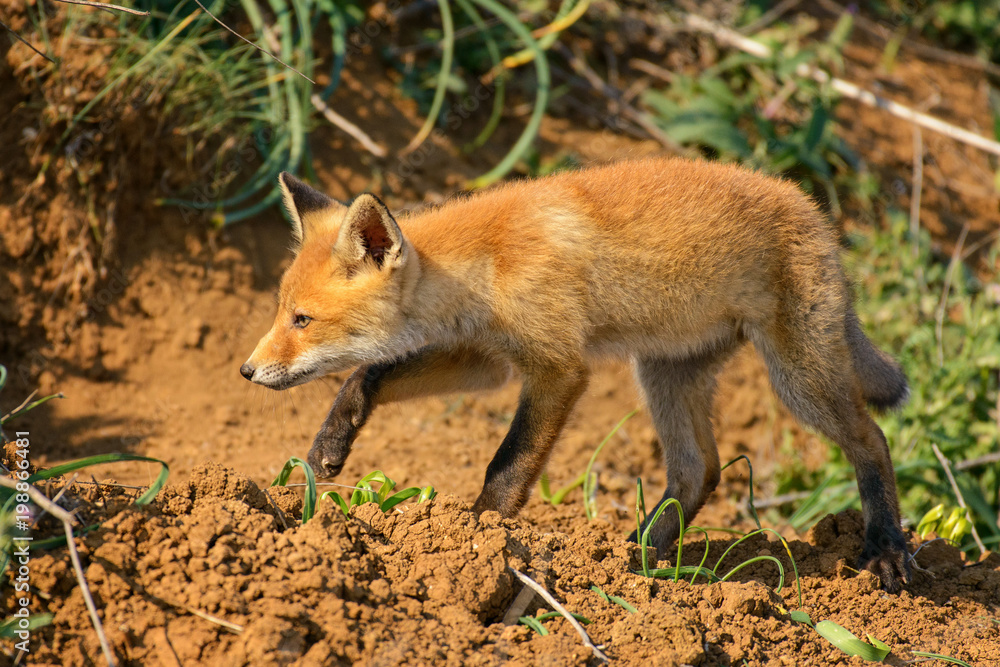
<point x="669" y="264"/>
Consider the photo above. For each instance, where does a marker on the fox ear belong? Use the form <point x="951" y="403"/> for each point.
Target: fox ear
<point x="369" y="231"/>
<point x="307" y="207"/>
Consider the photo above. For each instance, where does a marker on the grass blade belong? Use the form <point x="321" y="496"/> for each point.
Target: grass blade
<point x="309" y="504"/>
<point x="945" y="658"/>
<point x="845" y="640"/>
<point x="541" y="95"/>
<point x="448" y="52"/>
<point x="534" y="624"/>
<point x="753" y="510"/>
<point x="800" y="616"/>
<point x="100" y="459"/>
<point x="589" y="488"/>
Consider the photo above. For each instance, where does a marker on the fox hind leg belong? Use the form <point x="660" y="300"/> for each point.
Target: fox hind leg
<point x="814" y="376"/>
<point x="679" y="397"/>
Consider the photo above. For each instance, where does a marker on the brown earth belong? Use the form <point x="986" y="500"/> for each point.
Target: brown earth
<point x="145" y="339"/>
<point x="433" y="584"/>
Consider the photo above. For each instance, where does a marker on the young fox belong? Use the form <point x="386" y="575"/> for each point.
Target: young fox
<point x="669" y="263"/>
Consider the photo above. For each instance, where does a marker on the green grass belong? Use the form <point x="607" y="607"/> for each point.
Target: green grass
<point x="375" y="487"/>
<point x="13" y="499"/>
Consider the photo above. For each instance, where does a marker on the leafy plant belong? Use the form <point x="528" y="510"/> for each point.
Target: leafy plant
<point x="713" y="575"/>
<point x="722" y="109"/>
<point x="535" y="622"/>
<point x="952" y="527"/>
<point x="587" y="479"/>
<point x="9" y="500"/>
<point x="364" y="491"/>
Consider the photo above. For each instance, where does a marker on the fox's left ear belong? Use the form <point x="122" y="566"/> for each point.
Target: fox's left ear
<point x="308" y="208"/>
<point x="370" y="231"/>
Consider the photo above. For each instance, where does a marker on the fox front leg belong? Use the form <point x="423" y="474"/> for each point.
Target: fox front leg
<point x="350" y="411"/>
<point x="428" y="371"/>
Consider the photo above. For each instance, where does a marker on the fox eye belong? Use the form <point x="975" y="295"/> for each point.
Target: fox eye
<point x="300" y="321"/>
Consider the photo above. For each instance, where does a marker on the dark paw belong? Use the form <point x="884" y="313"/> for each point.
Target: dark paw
<point x="325" y="466"/>
<point x="330" y="450"/>
<point x="890" y="564"/>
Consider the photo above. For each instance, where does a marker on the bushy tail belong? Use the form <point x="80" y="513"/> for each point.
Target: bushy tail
<point x="882" y="380"/>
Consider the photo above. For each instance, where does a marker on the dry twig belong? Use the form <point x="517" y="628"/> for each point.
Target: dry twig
<point x="956" y="259"/>
<point x="640" y="118"/>
<point x="845" y="88"/>
<point x="958" y="494"/>
<point x="538" y="588"/>
<point x="770" y="16"/>
<point x="42" y="501"/>
<point x="347" y="126"/>
<point x="24" y="41"/>
<point x="993" y="457"/>
<point x="262" y="50"/>
<point x="281" y="515"/>
<point x="106" y="7"/>
<point x="926" y="50"/>
<point x="916" y="190"/>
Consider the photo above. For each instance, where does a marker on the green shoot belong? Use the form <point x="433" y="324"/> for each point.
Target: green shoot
<point x="712" y="575"/>
<point x="535" y="622"/>
<point x="309" y="503"/>
<point x="9" y="626"/>
<point x="365" y="492"/>
<point x="800" y="616"/>
<point x="753" y="510"/>
<point x="845" y="640"/>
<point x="621" y="602"/>
<point x="944" y="658"/>
<point x="953" y="528"/>
<point x="590" y="479"/>
<point x="644" y="540"/>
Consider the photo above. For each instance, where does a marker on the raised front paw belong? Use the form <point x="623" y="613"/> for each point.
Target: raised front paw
<point x="889" y="560"/>
<point x="331" y="447"/>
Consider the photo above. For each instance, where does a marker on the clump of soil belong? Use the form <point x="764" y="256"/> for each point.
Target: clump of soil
<point x="210" y="574"/>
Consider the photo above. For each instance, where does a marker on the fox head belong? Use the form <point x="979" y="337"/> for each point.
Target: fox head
<point x="341" y="301"/>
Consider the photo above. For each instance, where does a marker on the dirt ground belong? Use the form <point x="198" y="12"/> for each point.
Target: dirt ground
<point x="145" y="341"/>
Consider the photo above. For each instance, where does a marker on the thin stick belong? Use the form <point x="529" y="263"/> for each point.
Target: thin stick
<point x="281" y="515"/>
<point x="347" y="126"/>
<point x="20" y="407"/>
<point x="46" y="504"/>
<point x="916" y="190"/>
<point x="769" y="17"/>
<point x="232" y="627"/>
<point x="23" y="40"/>
<point x="343" y="486"/>
<point x="978" y="461"/>
<point x="114" y="484"/>
<point x="955" y="260"/>
<point x="262" y="50"/>
<point x="640" y="118"/>
<point x="106" y="7"/>
<point x="55" y="499"/>
<point x="528" y="581"/>
<point x="845" y="88"/>
<point x="651" y="69"/>
<point x="958" y="494"/>
<point x="927" y="50"/>
<point x="763" y="503"/>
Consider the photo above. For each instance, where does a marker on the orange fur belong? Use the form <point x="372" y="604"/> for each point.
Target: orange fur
<point x="667" y="263"/>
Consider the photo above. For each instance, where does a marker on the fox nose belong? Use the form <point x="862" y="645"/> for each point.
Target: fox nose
<point x="246" y="370"/>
